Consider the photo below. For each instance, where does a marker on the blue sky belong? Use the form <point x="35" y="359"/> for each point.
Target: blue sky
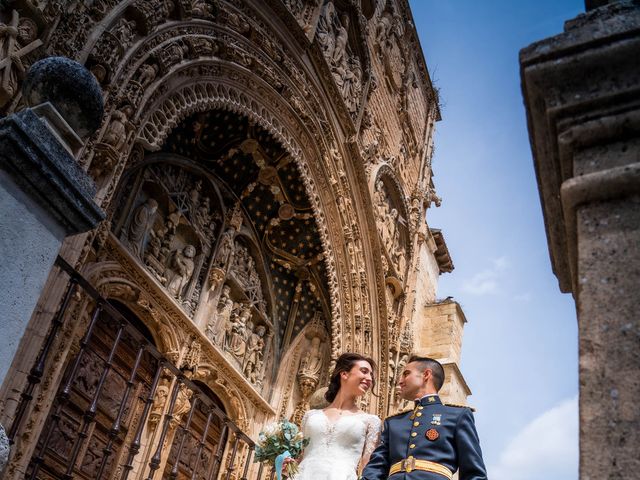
<point x="520" y="346"/>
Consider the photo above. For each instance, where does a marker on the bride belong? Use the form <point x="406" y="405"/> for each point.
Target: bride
<point x="341" y="436"/>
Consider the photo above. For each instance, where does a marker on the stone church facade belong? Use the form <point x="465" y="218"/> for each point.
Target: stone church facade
<point x="264" y="168"/>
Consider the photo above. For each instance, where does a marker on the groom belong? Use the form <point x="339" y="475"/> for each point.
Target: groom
<point x="431" y="441"/>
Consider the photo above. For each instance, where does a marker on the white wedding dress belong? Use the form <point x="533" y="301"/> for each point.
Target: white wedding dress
<point x="335" y="448"/>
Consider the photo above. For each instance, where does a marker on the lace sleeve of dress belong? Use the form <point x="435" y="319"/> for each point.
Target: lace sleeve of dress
<point x="303" y="423"/>
<point x="372" y="436"/>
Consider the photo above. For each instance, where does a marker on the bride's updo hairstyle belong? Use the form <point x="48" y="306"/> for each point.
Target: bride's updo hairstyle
<point x="345" y="363"/>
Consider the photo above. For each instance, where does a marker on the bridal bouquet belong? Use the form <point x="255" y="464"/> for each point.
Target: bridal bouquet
<point x="278" y="441"/>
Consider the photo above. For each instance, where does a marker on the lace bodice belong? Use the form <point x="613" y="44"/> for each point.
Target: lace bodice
<point x="335" y="448"/>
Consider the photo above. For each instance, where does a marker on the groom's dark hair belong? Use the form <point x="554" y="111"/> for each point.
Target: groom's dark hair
<point x="435" y="366"/>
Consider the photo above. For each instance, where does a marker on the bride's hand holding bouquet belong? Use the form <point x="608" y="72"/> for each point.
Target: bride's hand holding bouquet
<point x="278" y="445"/>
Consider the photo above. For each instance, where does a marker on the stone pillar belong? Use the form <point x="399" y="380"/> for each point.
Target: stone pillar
<point x="581" y="90"/>
<point x="44" y="194"/>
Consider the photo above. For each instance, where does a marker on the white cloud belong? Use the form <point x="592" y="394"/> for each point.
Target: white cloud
<point x="488" y="280"/>
<point x="545" y="448"/>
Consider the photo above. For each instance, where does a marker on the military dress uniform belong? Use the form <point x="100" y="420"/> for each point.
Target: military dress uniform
<point x="430" y="442"/>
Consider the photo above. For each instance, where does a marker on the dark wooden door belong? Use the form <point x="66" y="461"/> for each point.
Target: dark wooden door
<point x="72" y="435"/>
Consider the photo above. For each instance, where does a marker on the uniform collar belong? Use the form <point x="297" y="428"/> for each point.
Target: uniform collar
<point x="430" y="399"/>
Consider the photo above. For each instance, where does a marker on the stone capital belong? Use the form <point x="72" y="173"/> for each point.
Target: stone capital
<point x="581" y="89"/>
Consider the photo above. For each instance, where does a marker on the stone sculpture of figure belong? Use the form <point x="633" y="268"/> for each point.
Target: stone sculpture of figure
<point x="311" y="364"/>
<point x="194" y="194"/>
<point x="159" y="401"/>
<point x="380" y="200"/>
<point x="148" y="74"/>
<point x="222" y="318"/>
<point x="124" y="31"/>
<point x="199" y="8"/>
<point x="24" y="33"/>
<point x="340" y="47"/>
<point x="203" y="211"/>
<point x="389" y="230"/>
<point x="386" y="229"/>
<point x="158" y="236"/>
<point x="244" y="264"/>
<point x="141" y="224"/>
<point x="348" y="80"/>
<point x="166" y="235"/>
<point x="383" y="28"/>
<point x="226" y="248"/>
<point x="324" y="31"/>
<point x="180" y="270"/>
<point x="396" y="244"/>
<point x="260" y="365"/>
<point x="237" y="341"/>
<point x="401" y="261"/>
<point x="116" y="134"/>
<point x="182" y="405"/>
<point x="253" y="354"/>
<point x="401" y="364"/>
<point x="415" y="212"/>
<point x="389" y="294"/>
<point x="391" y="372"/>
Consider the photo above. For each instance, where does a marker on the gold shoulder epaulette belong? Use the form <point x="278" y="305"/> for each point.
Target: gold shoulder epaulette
<point x="459" y="405"/>
<point x="401" y="413"/>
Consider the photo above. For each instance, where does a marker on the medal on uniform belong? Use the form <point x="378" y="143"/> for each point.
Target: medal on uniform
<point x="437" y="417"/>
<point x="432" y="434"/>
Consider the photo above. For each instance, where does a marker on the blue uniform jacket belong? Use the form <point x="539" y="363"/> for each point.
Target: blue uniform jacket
<point x="434" y="432"/>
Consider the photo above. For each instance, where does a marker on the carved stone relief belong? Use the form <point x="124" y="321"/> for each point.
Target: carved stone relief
<point x="170" y="227"/>
<point x="388" y="35"/>
<point x="304" y="12"/>
<point x="332" y="34"/>
<point x="18" y="41"/>
<point x="146" y="91"/>
<point x="392" y="227"/>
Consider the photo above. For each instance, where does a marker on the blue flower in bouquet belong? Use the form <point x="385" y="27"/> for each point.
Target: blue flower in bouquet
<point x="278" y="441"/>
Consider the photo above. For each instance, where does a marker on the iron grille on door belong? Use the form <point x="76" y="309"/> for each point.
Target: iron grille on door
<point x="105" y="403"/>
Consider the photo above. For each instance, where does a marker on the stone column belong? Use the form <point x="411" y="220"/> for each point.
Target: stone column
<point x="582" y="91"/>
<point x="44" y="194"/>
